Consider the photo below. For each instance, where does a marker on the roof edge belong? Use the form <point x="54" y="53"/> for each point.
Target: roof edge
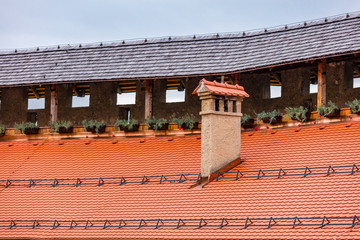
<point x="199" y="37"/>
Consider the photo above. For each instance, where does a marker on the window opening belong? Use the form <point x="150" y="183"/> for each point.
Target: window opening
<point x="226" y="106"/>
<point x="32" y="117"/>
<point x="175" y="90"/>
<point x="81" y="96"/>
<point x="126" y="93"/>
<point x="217" y="101"/>
<point x="275" y="85"/>
<point x="313" y="82"/>
<point x="356" y="76"/>
<point x="234" y="106"/>
<point x="36" y="98"/>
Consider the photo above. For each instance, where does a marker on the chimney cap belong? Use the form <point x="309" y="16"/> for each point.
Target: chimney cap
<point x="216" y="88"/>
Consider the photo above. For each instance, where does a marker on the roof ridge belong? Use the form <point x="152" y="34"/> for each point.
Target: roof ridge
<point x="186" y="38"/>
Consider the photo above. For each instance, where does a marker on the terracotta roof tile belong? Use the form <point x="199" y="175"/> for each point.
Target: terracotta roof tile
<point x="222" y="89"/>
<point x="311" y="196"/>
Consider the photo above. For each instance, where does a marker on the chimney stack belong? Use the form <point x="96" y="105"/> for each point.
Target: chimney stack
<point x="220" y="124"/>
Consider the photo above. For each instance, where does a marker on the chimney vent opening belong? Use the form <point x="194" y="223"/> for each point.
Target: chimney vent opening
<point x="226" y="108"/>
<point x="234" y="107"/>
<point x="217" y="104"/>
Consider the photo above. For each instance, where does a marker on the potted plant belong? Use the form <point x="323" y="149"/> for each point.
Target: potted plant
<point x="62" y="127"/>
<point x="27" y="128"/>
<point x="300" y="114"/>
<point x="2" y="130"/>
<point x="247" y="121"/>
<point x="94" y="126"/>
<point x="186" y="123"/>
<point x="127" y="125"/>
<point x="330" y="112"/>
<point x="156" y="124"/>
<point x="354" y="106"/>
<point x="269" y="117"/>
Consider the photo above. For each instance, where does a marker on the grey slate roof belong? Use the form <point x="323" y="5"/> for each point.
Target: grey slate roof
<point x="182" y="56"/>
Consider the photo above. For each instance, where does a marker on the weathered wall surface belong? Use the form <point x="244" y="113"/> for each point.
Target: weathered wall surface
<point x="295" y="92"/>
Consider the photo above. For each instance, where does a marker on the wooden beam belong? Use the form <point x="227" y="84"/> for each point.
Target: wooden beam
<point x="53" y="103"/>
<point x="148" y="98"/>
<point x="33" y="89"/>
<point x="119" y="90"/>
<point x="321" y="96"/>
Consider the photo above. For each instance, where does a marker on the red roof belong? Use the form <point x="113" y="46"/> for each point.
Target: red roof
<point x="222" y="89"/>
<point x="261" y="199"/>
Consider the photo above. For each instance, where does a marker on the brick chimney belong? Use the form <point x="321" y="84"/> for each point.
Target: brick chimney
<point x="220" y="124"/>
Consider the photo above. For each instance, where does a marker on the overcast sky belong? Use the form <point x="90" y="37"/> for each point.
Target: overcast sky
<point x="32" y="23"/>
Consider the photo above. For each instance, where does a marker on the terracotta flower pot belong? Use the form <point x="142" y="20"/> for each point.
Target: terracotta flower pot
<point x="65" y="130"/>
<point x="126" y="129"/>
<point x="165" y="126"/>
<point x="185" y="126"/>
<point x="93" y="129"/>
<point x="29" y="131"/>
<point x="248" y="123"/>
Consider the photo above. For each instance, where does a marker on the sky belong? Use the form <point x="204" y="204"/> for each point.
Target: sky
<point x="37" y="23"/>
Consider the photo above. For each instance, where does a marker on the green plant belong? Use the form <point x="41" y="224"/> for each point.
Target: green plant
<point x="354" y="106"/>
<point x="55" y="126"/>
<point x="270" y="116"/>
<point x="326" y="111"/>
<point x="93" y="124"/>
<point x="299" y="113"/>
<point x="245" y="117"/>
<point x="155" y="123"/>
<point x="25" y="125"/>
<point x="2" y="129"/>
<point x="129" y="124"/>
<point x="274" y="114"/>
<point x="261" y="116"/>
<point x="186" y="121"/>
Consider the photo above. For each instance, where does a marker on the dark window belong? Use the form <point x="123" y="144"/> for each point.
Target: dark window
<point x="226" y="106"/>
<point x="217" y="101"/>
<point x="234" y="106"/>
<point x="32" y="117"/>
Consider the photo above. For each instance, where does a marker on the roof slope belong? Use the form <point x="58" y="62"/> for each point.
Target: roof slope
<point x="182" y="56"/>
<point x="289" y="196"/>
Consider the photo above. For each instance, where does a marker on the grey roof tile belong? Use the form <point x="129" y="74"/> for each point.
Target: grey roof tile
<point x="182" y="56"/>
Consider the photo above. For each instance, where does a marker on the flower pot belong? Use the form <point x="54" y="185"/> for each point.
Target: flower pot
<point x="126" y="129"/>
<point x="248" y="123"/>
<point x="28" y="131"/>
<point x="163" y="127"/>
<point x="65" y="130"/>
<point x="334" y="114"/>
<point x="185" y="126"/>
<point x="355" y="111"/>
<point x="277" y="119"/>
<point x="307" y="117"/>
<point x="93" y="129"/>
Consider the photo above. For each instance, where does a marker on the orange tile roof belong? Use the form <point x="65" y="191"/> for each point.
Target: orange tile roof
<point x="313" y="196"/>
<point x="222" y="89"/>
